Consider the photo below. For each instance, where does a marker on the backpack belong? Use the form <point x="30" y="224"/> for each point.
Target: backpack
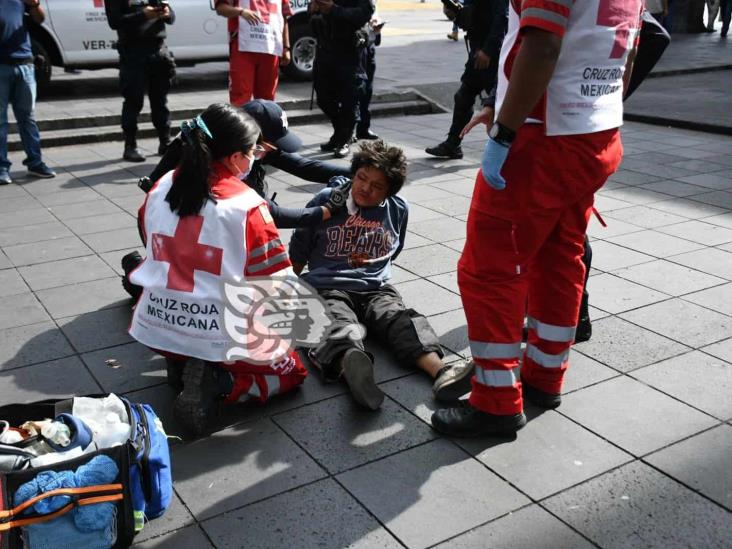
<point x="142" y="491"/>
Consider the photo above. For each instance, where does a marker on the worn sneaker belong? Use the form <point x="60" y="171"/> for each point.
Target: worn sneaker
<point x="465" y="421"/>
<point x="5" y="177"/>
<point x="452" y="36"/>
<point x="539" y="397"/>
<point x="445" y="150"/>
<point x="133" y="154"/>
<point x="341" y="151"/>
<point x="41" y="171"/>
<point x="358" y="371"/>
<point x="196" y="405"/>
<point x="453" y="381"/>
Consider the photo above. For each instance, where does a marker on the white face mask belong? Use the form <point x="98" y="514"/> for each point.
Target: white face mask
<point x="244" y="173"/>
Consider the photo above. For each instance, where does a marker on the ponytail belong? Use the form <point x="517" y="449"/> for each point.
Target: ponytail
<point x="219" y="131"/>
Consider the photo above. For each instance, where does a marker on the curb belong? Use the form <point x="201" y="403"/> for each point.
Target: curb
<point x="677" y="123"/>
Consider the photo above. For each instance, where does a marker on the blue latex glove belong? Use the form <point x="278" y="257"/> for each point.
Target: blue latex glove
<point x="494" y="156"/>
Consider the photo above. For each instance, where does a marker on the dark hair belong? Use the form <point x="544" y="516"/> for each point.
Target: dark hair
<point x="390" y="160"/>
<point x="221" y="131"/>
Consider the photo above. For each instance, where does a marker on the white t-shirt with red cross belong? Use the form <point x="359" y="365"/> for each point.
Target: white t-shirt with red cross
<point x="585" y="94"/>
<point x="188" y="260"/>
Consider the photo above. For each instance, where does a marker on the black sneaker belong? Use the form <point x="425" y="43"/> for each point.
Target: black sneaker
<point x="196" y="405"/>
<point x="328" y="146"/>
<point x="368" y="135"/>
<point x="453" y="381"/>
<point x="584" y="329"/>
<point x="133" y="154"/>
<point x="539" y="397"/>
<point x="465" y="421"/>
<point x="358" y="371"/>
<point x="41" y="171"/>
<point x="341" y="151"/>
<point x="445" y="150"/>
<point x="163" y="147"/>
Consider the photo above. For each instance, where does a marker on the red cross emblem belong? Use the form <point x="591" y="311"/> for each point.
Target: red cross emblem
<point x="98" y="3"/>
<point x="185" y="254"/>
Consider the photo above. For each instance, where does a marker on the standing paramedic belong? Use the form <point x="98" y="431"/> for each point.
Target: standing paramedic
<point x="564" y="66"/>
<point x="258" y="44"/>
<point x="145" y="64"/>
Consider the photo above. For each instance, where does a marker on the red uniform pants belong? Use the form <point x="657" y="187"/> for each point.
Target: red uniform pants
<point x="252" y="76"/>
<point x="524" y="249"/>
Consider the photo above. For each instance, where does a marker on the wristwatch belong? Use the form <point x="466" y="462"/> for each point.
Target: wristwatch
<point x="501" y="134"/>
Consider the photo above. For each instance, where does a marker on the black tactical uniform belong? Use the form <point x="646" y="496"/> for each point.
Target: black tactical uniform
<point x="485" y="22"/>
<point x="144" y="65"/>
<point x="339" y="73"/>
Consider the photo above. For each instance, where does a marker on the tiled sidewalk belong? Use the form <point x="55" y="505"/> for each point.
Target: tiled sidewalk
<point x="638" y="455"/>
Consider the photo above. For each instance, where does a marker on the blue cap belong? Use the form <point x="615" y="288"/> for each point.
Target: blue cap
<point x="273" y="122"/>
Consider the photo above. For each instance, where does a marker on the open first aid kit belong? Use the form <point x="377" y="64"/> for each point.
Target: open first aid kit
<point x="81" y="473"/>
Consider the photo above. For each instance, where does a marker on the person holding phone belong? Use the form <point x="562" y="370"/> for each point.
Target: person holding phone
<point x="145" y="65"/>
<point x="363" y="127"/>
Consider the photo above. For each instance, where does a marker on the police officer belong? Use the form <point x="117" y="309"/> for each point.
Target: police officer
<point x="339" y="74"/>
<point x="368" y="58"/>
<point x="485" y="24"/>
<point x="144" y="63"/>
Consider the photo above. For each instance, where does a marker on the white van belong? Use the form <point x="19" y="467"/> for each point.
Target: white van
<point x="76" y="35"/>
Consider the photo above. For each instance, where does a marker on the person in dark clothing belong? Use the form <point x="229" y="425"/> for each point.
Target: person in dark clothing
<point x="145" y="64"/>
<point x="349" y="259"/>
<point x="339" y="75"/>
<point x="652" y="42"/>
<point x="485" y="23"/>
<point x="368" y="57"/>
<point x="726" y="14"/>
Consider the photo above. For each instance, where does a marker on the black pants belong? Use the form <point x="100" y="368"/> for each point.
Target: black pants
<point x="406" y="332"/>
<point x="339" y="80"/>
<point x="472" y="82"/>
<point x="144" y="70"/>
<point x="367" y="90"/>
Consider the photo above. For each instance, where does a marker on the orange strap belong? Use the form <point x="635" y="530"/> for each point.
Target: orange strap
<point x="60" y="492"/>
<point x="4" y="527"/>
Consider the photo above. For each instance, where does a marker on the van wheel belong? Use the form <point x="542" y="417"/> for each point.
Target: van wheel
<point x="42" y="61"/>
<point x="303" y="46"/>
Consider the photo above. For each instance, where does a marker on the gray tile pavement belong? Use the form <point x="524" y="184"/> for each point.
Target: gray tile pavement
<point x="640" y="433"/>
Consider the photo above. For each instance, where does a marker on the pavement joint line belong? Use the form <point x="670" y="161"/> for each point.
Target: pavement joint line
<point x="44" y="262"/>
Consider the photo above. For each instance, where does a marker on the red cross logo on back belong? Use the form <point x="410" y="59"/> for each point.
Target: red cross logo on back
<point x="185" y="254"/>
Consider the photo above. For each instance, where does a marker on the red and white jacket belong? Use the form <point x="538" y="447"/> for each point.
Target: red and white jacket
<point x="265" y="37"/>
<point x="189" y="259"/>
<point x="585" y="94"/>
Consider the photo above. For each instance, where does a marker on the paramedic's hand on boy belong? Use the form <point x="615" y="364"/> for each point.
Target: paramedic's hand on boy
<point x="494" y="156"/>
<point x="483" y="117"/>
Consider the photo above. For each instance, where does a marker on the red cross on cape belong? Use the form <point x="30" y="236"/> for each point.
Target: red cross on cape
<point x="185" y="254"/>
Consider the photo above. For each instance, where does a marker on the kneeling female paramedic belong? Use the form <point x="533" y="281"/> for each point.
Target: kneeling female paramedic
<point x="204" y="228"/>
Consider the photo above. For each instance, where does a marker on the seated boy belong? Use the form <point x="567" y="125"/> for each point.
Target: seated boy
<point x="349" y="258"/>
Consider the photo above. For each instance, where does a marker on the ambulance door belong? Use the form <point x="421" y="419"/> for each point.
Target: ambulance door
<point x="198" y="33"/>
<point x="81" y="27"/>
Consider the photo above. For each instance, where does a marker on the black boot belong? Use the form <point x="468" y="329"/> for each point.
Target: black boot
<point x="539" y="397"/>
<point x="129" y="263"/>
<point x="164" y="137"/>
<point x="584" y="324"/>
<point x="466" y="421"/>
<point x="447" y="149"/>
<point x="196" y="405"/>
<point x="132" y="153"/>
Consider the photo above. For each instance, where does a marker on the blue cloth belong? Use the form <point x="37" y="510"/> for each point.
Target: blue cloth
<point x="494" y="156"/>
<point x="18" y="88"/>
<point x="377" y="232"/>
<point x="15" y="45"/>
<point x="88" y="518"/>
<point x="62" y="533"/>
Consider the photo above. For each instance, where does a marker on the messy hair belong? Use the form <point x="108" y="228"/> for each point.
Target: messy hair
<point x="390" y="160"/>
